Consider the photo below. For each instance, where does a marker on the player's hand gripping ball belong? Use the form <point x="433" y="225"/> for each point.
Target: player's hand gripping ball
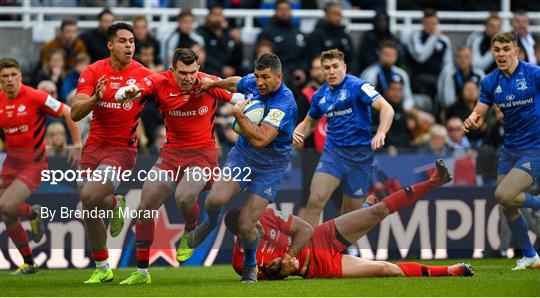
<point x="254" y="110"/>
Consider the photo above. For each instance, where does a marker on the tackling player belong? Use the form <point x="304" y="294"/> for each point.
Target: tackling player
<point x="259" y="158"/>
<point x="347" y="159"/>
<point x="111" y="147"/>
<point x="189" y="114"/>
<point x="515" y="88"/>
<point x="290" y="246"/>
<point x="23" y="110"/>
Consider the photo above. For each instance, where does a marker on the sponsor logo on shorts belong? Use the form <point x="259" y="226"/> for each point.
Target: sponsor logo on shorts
<point x="359" y="192"/>
<point x="268" y="191"/>
<point x="527" y="166"/>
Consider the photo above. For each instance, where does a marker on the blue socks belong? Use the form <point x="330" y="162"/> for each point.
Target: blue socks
<point x="250" y="252"/>
<point x="531" y="201"/>
<point x="519" y="231"/>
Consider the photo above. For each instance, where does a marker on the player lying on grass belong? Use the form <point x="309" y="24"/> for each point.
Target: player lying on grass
<point x="290" y="246"/>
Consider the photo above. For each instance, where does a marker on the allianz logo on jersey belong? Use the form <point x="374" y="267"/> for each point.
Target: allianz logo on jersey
<point x="339" y="113"/>
<point x="116" y="105"/>
<point x="201" y="111"/>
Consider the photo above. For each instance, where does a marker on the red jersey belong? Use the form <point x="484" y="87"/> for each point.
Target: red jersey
<point x="273" y="244"/>
<point x="188" y="116"/>
<point x="23" y="121"/>
<point x="113" y="122"/>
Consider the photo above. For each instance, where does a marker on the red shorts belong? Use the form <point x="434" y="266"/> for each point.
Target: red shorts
<point x="96" y="153"/>
<point x="325" y="258"/>
<point x="28" y="172"/>
<point x="177" y="160"/>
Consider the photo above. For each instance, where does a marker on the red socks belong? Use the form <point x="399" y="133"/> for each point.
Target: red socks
<point x="25" y="210"/>
<point x="407" y="196"/>
<point x="19" y="236"/>
<point x="100" y="255"/>
<point x="412" y="269"/>
<point x="191" y="217"/>
<point x="144" y="236"/>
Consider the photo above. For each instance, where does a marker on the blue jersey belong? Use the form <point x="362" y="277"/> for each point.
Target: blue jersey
<point x="280" y="112"/>
<point x="518" y="97"/>
<point x="348" y="110"/>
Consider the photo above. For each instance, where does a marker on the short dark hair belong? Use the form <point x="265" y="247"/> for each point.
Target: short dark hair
<point x="429" y="12"/>
<point x="231" y="220"/>
<point x="67" y="22"/>
<point x="215" y="6"/>
<point x="111" y="31"/>
<point x="184" y="13"/>
<point x="332" y="54"/>
<point x="139" y="18"/>
<point x="330" y="5"/>
<point x="9" y="63"/>
<point x="388" y="43"/>
<point x="187" y="56"/>
<point x="104" y="12"/>
<point x="492" y="16"/>
<point x="268" y="61"/>
<point x="279" y="2"/>
<point x="504" y="37"/>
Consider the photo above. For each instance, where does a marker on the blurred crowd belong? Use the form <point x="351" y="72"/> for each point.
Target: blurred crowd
<point x="431" y="87"/>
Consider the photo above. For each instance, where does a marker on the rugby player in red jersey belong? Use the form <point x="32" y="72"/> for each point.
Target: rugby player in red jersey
<point x="111" y="147"/>
<point x="290" y="246"/>
<point x="189" y="114"/>
<point x="23" y="110"/>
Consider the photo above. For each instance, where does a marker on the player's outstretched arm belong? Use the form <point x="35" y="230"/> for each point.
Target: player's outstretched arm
<point x="476" y="118"/>
<point x="75" y="154"/>
<point x="83" y="104"/>
<point x="386" y="115"/>
<point x="228" y="84"/>
<point x="304" y="129"/>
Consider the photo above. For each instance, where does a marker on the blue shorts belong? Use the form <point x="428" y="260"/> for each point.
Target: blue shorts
<point x="262" y="182"/>
<point x="353" y="167"/>
<point x="527" y="160"/>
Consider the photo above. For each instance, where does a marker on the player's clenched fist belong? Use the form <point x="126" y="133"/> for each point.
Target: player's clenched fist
<point x="474" y="121"/>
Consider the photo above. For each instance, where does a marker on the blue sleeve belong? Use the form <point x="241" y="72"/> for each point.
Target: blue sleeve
<point x="365" y="92"/>
<point x="279" y="114"/>
<point x="314" y="110"/>
<point x="536" y="76"/>
<point x="485" y="92"/>
<point x="246" y="84"/>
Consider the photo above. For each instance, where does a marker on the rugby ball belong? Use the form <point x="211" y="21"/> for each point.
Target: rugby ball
<point x="254" y="110"/>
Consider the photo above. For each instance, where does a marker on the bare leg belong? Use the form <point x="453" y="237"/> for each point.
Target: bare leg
<point x="322" y="186"/>
<point x="93" y="195"/>
<point x="356" y="267"/>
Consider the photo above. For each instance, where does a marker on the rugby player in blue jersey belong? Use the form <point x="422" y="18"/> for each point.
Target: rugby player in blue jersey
<point x="515" y="88"/>
<point x="347" y="159"/>
<point x="259" y="158"/>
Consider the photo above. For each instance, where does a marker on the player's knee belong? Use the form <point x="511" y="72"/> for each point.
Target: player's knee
<point x="90" y="199"/>
<point x="380" y="211"/>
<point x="186" y="198"/>
<point x="8" y="210"/>
<point x="214" y="201"/>
<point x="317" y="201"/>
<point x="503" y="197"/>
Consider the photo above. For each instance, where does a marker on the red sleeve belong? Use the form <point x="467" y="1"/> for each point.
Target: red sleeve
<point x="238" y="258"/>
<point x="277" y="219"/>
<point x="221" y="94"/>
<point x="49" y="104"/>
<point x="87" y="81"/>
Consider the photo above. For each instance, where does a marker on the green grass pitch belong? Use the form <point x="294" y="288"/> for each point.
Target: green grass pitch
<point x="493" y="278"/>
